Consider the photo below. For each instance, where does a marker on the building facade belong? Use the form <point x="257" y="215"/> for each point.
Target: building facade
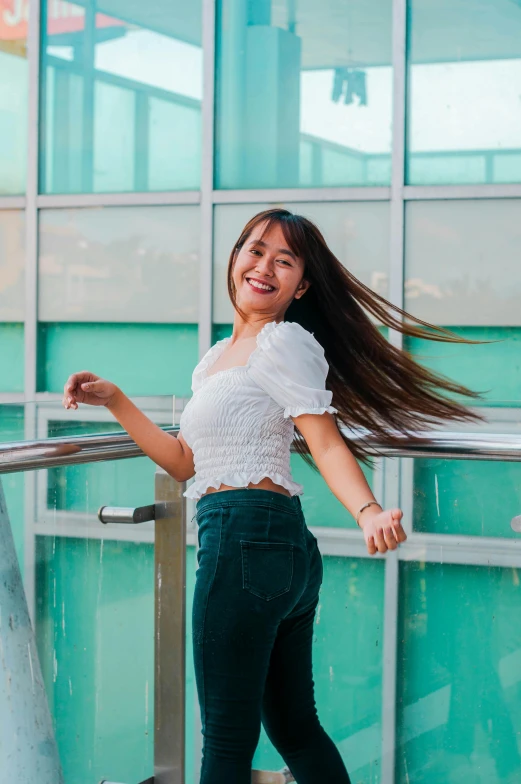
<point x="136" y="139"/>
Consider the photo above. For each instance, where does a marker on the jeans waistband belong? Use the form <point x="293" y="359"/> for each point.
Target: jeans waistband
<point x="245" y="497"/>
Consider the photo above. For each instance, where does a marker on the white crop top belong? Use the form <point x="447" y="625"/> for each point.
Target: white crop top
<point x="238" y="424"/>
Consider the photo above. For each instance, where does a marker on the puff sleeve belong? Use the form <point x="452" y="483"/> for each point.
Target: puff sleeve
<point x="290" y="366"/>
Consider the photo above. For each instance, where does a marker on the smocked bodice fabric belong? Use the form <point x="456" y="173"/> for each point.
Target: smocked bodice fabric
<point x="238" y="422"/>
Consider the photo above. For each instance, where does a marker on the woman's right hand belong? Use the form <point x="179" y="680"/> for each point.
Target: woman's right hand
<point x="87" y="388"/>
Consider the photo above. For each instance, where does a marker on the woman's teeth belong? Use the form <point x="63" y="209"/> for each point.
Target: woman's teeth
<point x="261" y="286"/>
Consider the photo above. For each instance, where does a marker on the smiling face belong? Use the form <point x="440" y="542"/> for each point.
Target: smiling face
<point x="267" y="275"/>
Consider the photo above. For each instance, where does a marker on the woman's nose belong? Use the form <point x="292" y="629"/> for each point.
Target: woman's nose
<point x="264" y="266"/>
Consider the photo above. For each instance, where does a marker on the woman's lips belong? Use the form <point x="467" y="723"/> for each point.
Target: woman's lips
<point x="259" y="288"/>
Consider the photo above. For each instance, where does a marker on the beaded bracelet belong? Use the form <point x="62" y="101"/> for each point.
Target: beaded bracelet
<point x="369" y="503"/>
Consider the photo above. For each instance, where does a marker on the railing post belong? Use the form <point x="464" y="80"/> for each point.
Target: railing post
<point x="28" y="751"/>
<point x="170" y="630"/>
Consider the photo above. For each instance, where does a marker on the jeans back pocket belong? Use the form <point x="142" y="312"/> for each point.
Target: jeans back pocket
<point x="267" y="568"/>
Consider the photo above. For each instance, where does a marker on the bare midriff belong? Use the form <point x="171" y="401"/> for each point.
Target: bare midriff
<point x="264" y="484"/>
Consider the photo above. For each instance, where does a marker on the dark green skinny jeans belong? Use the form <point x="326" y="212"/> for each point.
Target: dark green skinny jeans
<point x="255" y="598"/>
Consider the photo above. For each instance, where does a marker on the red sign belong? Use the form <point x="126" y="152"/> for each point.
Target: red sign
<point x="62" y="17"/>
<point x="13" y="19"/>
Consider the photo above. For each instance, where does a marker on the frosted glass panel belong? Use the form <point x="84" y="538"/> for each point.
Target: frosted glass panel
<point x="12" y="265"/>
<point x="358" y="233"/>
<point x="107" y="65"/>
<point x="463" y="262"/>
<point x="119" y="264"/>
<point x="304" y="93"/>
<point x="464" y="76"/>
<point x="13" y="96"/>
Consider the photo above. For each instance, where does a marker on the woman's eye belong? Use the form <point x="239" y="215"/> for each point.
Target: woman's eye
<point x="285" y="261"/>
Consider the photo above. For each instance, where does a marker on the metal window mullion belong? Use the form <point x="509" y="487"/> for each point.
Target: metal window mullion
<point x="12" y="398"/>
<point x="396" y="296"/>
<point x="207" y="163"/>
<point x="12" y="202"/>
<point x="298" y="195"/>
<point x="141" y="141"/>
<point x="31" y="293"/>
<point x="148" y="199"/>
<point x="89" y="53"/>
<point x="478" y="191"/>
<point x="390" y="662"/>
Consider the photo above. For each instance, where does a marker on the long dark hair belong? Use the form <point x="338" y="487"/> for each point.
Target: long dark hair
<point x="375" y="385"/>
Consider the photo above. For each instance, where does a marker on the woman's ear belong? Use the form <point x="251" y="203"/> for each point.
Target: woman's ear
<point x="303" y="286"/>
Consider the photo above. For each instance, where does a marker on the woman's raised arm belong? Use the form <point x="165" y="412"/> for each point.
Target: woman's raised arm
<point x="172" y="454"/>
<point x="382" y="528"/>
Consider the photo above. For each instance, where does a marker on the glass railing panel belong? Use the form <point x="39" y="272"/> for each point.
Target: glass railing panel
<point x="94" y="623"/>
<point x="11" y="422"/>
<point x="94" y="616"/>
<point x="459" y="674"/>
<point x="459" y="647"/>
<point x="466" y="497"/>
<point x="12" y="429"/>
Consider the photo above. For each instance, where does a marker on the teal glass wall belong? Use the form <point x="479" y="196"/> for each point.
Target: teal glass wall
<point x="13" y="97"/>
<point x="118" y="294"/>
<point x="459" y="675"/>
<point x="466" y="497"/>
<point x="463" y="105"/>
<point x="114" y="118"/>
<point x="304" y="94"/>
<point x="12" y="298"/>
<point x="320" y="506"/>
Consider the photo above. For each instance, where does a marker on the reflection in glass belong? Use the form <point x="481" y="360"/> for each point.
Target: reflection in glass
<point x="14" y="18"/>
<point x="122" y="92"/>
<point x="303" y="94"/>
<point x="459" y="658"/>
<point x="119" y="264"/>
<point x="357" y="232"/>
<point x="462" y="262"/>
<point x="464" y="78"/>
<point x="12" y="264"/>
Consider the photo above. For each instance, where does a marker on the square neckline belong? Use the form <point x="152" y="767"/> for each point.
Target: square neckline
<point x="224" y="342"/>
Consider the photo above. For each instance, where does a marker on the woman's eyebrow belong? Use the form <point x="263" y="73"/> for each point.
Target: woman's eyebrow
<point x="280" y="250"/>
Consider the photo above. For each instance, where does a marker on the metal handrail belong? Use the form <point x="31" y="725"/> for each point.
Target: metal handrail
<point x="73" y="450"/>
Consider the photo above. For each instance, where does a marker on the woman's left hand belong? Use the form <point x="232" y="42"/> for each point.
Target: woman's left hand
<point x="382" y="531"/>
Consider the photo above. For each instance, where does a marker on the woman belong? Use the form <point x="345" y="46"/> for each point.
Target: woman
<point x="302" y="340"/>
